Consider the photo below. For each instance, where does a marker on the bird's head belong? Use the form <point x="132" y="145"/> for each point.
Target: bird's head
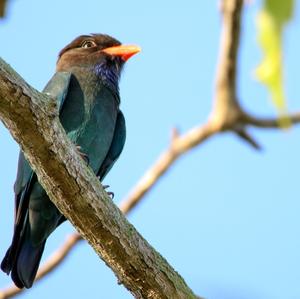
<point x="98" y="53"/>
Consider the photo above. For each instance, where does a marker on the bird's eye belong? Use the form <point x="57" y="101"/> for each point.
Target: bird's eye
<point x="88" y="44"/>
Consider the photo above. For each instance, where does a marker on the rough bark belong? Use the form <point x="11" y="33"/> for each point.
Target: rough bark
<point x="33" y="121"/>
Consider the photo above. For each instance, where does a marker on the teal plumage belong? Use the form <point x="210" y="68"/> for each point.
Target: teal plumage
<point x="85" y="87"/>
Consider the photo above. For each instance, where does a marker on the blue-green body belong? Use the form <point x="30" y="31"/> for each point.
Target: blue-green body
<point x="89" y="112"/>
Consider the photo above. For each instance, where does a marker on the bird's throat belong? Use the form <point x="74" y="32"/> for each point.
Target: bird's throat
<point x="108" y="75"/>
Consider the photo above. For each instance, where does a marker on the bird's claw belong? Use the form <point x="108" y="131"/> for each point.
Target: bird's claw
<point x="84" y="156"/>
<point x="110" y="194"/>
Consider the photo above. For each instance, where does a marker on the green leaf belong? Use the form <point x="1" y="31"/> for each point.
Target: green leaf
<point x="271" y="21"/>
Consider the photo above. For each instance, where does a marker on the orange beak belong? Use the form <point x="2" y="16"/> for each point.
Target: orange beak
<point x="123" y="51"/>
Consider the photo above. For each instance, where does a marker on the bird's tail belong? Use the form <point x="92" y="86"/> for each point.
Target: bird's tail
<point x="22" y="259"/>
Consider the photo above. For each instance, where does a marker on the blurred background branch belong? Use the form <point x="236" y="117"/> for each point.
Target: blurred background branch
<point x="2" y="8"/>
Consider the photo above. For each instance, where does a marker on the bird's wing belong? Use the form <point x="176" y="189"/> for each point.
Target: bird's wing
<point x="22" y="185"/>
<point x="116" y="147"/>
<point x="57" y="88"/>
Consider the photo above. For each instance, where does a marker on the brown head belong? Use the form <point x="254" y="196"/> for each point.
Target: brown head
<point x="89" y="50"/>
<point x="99" y="54"/>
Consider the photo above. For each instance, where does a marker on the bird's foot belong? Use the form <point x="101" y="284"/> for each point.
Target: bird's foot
<point x="84" y="156"/>
<point x="111" y="194"/>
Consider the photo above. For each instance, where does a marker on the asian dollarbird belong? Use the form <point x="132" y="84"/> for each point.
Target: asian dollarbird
<point x="85" y="87"/>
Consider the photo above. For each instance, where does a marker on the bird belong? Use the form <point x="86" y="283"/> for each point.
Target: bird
<point x="85" y="87"/>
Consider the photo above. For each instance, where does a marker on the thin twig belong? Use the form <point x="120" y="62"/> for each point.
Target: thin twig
<point x="226" y="108"/>
<point x="245" y="136"/>
<point x="179" y="146"/>
<point x="53" y="261"/>
<point x="269" y="123"/>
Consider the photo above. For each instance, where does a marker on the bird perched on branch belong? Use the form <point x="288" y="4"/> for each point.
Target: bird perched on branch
<point x="85" y="86"/>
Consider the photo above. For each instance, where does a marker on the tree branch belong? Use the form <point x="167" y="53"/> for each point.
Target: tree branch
<point x="179" y="145"/>
<point x="226" y="112"/>
<point x="226" y="115"/>
<point x="54" y="260"/>
<point x="33" y="121"/>
<point x="245" y="136"/>
<point x="269" y="123"/>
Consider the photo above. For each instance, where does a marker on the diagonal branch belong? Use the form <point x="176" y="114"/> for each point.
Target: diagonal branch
<point x="226" y="111"/>
<point x="226" y="115"/>
<point x="179" y="146"/>
<point x="53" y="261"/>
<point x="33" y="121"/>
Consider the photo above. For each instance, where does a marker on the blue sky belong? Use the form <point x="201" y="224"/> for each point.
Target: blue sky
<point x="225" y="217"/>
